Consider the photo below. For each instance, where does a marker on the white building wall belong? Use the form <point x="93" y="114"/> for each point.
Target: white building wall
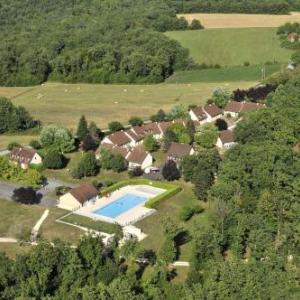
<point x="68" y="202"/>
<point x="36" y="160"/>
<point x="193" y="116"/>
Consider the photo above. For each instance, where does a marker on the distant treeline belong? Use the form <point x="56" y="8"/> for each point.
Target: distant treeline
<point x="236" y="6"/>
<point x="88" y="41"/>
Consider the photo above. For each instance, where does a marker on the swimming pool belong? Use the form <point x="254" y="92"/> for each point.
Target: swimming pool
<point x="119" y="206"/>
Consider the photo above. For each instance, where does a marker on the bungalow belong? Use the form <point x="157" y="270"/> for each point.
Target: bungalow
<point x="119" y="138"/>
<point x="225" y="140"/>
<point x="234" y="108"/>
<point x="113" y="149"/>
<point x="78" y="197"/>
<point x="25" y="157"/>
<point x="208" y="113"/>
<point x="136" y="157"/>
<point x="177" y="151"/>
<point x="147" y="129"/>
<point x="198" y="114"/>
<point x="139" y="158"/>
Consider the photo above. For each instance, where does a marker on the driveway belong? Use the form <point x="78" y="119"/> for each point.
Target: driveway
<point x="49" y="198"/>
<point x="6" y="189"/>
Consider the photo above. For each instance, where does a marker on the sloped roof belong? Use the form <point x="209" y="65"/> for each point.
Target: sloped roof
<point x="114" y="149"/>
<point x="226" y="136"/>
<point x="213" y="110"/>
<point x="251" y="106"/>
<point x="233" y="106"/>
<point x="119" y="138"/>
<point x="199" y="112"/>
<point x="84" y="192"/>
<point x="137" y="156"/>
<point x="134" y="136"/>
<point x="178" y="150"/>
<point x="22" y="155"/>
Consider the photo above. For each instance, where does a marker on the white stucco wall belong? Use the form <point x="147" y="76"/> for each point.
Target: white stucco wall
<point x="68" y="202"/>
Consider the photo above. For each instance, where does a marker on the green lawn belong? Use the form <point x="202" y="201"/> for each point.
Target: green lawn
<point x="233" y="47"/>
<point x="12" y="250"/>
<point x="15" y="218"/>
<point x="171" y="207"/>
<point x="21" y="139"/>
<point x="91" y="224"/>
<point x="65" y="103"/>
<point x="229" y="74"/>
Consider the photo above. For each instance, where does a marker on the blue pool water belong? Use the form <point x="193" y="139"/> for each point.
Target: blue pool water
<point x="119" y="206"/>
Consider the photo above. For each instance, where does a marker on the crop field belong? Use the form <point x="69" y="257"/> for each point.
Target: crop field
<point x="241" y="20"/>
<point x="230" y="74"/>
<point x="65" y="103"/>
<point x="233" y="47"/>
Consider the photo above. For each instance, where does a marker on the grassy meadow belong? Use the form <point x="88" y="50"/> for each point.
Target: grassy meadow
<point x="65" y="103"/>
<point x="241" y="20"/>
<point x="229" y="74"/>
<point x="233" y="47"/>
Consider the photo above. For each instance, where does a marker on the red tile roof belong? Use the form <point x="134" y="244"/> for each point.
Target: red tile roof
<point x="199" y="112"/>
<point x="119" y="138"/>
<point x="226" y="136"/>
<point x="114" y="149"/>
<point x="84" y="193"/>
<point x="177" y="150"/>
<point x="137" y="156"/>
<point x="233" y="106"/>
<point x="22" y="155"/>
<point x="251" y="106"/>
<point x="213" y="110"/>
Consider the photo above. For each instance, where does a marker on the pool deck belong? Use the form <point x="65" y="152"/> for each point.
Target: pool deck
<point x="128" y="217"/>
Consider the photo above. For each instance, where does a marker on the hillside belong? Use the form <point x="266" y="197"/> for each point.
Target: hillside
<point x="64" y="104"/>
<point x="233" y="47"/>
<point x="84" y="41"/>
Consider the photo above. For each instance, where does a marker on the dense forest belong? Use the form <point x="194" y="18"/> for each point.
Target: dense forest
<point x="249" y="249"/>
<point x="236" y="6"/>
<point x="88" y="41"/>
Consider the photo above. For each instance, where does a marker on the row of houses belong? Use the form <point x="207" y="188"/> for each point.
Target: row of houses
<point x="136" y="157"/>
<point x="210" y="112"/>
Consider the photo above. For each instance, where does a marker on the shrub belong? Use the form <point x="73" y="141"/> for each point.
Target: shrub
<point x="26" y="195"/>
<point x="118" y="163"/>
<point x="12" y="145"/>
<point x="115" y="126"/>
<point x="150" y="143"/>
<point x="87" y="166"/>
<point x="61" y="190"/>
<point x="170" y="171"/>
<point x="160" y="116"/>
<point x="221" y="124"/>
<point x="35" y="144"/>
<point x="136" y="172"/>
<point x="195" y="24"/>
<point x="54" y="159"/>
<point x="188" y="211"/>
<point x="88" y="143"/>
<point x="135" y="121"/>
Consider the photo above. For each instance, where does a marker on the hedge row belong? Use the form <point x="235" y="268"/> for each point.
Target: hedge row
<point x="152" y="203"/>
<point x="171" y="189"/>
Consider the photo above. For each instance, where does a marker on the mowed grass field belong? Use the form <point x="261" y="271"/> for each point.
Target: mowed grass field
<point x="65" y="103"/>
<point x="233" y="47"/>
<point x="230" y="74"/>
<point x="241" y="20"/>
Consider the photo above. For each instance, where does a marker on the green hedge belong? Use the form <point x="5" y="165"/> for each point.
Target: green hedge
<point x="152" y="203"/>
<point x="171" y="189"/>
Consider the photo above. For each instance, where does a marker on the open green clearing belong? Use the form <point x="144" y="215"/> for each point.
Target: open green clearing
<point x="152" y="225"/>
<point x="65" y="103"/>
<point x="90" y="223"/>
<point x="233" y="47"/>
<point x="229" y="74"/>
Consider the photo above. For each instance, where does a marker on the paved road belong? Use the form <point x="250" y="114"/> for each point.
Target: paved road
<point x="48" y="199"/>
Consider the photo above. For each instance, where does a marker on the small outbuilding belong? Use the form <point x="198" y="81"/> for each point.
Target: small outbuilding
<point x="78" y="197"/>
<point x="225" y="140"/>
<point x="25" y="157"/>
<point x="178" y="151"/>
